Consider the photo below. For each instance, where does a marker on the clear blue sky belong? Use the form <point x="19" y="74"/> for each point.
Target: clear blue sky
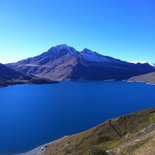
<point x="123" y="29"/>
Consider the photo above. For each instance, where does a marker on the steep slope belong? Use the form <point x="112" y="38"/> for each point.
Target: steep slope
<point x="147" y="78"/>
<point x="9" y="77"/>
<point x="121" y="136"/>
<point x="93" y="66"/>
<point x="7" y="74"/>
<point x="65" y="63"/>
<point x="55" y="64"/>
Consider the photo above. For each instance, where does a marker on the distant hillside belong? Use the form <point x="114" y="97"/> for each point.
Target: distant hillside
<point x="65" y="63"/>
<point x="147" y="78"/>
<point x="132" y="134"/>
<point x="9" y="76"/>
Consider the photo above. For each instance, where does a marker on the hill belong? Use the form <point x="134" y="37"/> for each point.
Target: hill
<point x="65" y="63"/>
<point x="147" y="78"/>
<point x="9" y="76"/>
<point x="132" y="134"/>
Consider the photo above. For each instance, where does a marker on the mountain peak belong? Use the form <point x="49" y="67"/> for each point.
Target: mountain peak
<point x="93" y="56"/>
<point x="63" y="62"/>
<point x="86" y="50"/>
<point x="63" y="48"/>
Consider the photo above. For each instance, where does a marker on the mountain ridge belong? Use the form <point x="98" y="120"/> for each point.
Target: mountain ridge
<point x="64" y="63"/>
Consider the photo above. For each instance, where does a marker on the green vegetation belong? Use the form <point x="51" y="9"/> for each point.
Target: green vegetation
<point x="105" y="137"/>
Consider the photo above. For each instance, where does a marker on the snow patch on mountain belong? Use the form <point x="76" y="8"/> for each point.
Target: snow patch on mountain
<point x="143" y="62"/>
<point x="93" y="56"/>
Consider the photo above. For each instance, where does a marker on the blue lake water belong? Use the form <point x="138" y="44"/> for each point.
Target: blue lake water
<point x="31" y="115"/>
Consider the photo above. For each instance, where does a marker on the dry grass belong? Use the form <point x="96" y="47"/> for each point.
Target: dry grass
<point x="105" y="137"/>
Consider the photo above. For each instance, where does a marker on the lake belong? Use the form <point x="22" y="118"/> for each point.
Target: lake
<point x="31" y="115"/>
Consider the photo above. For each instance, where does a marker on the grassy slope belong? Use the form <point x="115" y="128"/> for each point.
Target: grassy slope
<point x="107" y="136"/>
<point x="143" y="144"/>
<point x="147" y="78"/>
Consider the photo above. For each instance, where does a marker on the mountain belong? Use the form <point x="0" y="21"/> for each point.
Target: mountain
<point x="9" y="76"/>
<point x="144" y="62"/>
<point x="65" y="63"/>
<point x="131" y="134"/>
<point x="147" y="78"/>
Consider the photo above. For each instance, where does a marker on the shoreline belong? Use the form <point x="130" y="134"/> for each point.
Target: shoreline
<point x="42" y="148"/>
<point x="6" y="84"/>
<point x="141" y="82"/>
